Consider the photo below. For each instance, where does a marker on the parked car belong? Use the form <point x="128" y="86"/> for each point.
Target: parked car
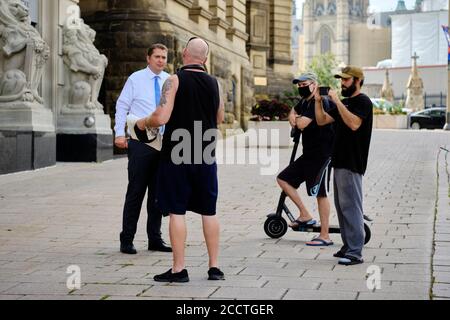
<point x="432" y="118"/>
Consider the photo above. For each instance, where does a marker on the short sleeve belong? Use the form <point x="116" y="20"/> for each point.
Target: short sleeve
<point x="332" y="110"/>
<point x="309" y="111"/>
<point x="363" y="108"/>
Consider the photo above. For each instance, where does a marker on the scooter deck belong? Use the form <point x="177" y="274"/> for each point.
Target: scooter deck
<point x="315" y="228"/>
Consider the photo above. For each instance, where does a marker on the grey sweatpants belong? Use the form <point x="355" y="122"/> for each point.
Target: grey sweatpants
<point x="348" y="199"/>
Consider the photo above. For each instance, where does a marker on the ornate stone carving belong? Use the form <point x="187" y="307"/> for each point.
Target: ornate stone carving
<point x="248" y="94"/>
<point x="220" y="69"/>
<point x="157" y="5"/>
<point x="386" y="91"/>
<point x="85" y="69"/>
<point x="23" y="54"/>
<point x="414" y="95"/>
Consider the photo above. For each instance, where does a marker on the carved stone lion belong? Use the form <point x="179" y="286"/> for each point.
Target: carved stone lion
<point x="85" y="68"/>
<point x="17" y="38"/>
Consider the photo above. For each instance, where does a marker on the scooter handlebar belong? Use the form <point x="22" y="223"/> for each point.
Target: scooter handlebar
<point x="295" y="134"/>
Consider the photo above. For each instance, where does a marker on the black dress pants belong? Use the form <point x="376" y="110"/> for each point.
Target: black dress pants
<point x="143" y="164"/>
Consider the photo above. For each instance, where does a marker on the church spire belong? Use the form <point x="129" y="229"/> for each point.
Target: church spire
<point x="414" y="94"/>
<point x="401" y="6"/>
<point x="386" y="91"/>
<point x="418" y="5"/>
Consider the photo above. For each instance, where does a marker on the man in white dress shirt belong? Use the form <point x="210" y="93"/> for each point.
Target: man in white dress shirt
<point x="139" y="98"/>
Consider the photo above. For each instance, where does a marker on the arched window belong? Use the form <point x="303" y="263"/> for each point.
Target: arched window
<point x="320" y="11"/>
<point x="325" y="41"/>
<point x="331" y="9"/>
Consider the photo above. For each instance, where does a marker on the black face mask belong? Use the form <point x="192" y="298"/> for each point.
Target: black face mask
<point x="304" y="92"/>
<point x="348" y="92"/>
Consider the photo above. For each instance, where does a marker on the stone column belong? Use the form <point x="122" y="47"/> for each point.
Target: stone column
<point x="258" y="46"/>
<point x="219" y="22"/>
<point x="280" y="59"/>
<point x="125" y="30"/>
<point x="84" y="131"/>
<point x="27" y="132"/>
<point x="236" y="17"/>
<point x="308" y="31"/>
<point x="200" y="14"/>
<point x="342" y="32"/>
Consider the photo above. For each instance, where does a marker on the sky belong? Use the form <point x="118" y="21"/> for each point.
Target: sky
<point x="376" y="5"/>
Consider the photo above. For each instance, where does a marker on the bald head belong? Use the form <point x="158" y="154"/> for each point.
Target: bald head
<point x="197" y="50"/>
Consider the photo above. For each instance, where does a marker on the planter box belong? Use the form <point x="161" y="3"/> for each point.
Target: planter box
<point x="273" y="134"/>
<point x="387" y="121"/>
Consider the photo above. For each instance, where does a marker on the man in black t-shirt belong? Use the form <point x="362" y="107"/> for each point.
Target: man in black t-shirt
<point x="317" y="146"/>
<point x="191" y="107"/>
<point x="353" y="117"/>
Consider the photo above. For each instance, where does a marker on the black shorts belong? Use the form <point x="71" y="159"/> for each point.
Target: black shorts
<point x="187" y="187"/>
<point x="309" y="170"/>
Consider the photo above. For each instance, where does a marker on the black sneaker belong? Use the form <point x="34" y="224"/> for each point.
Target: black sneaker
<point x="215" y="274"/>
<point x="350" y="261"/>
<point x="339" y="254"/>
<point x="172" y="277"/>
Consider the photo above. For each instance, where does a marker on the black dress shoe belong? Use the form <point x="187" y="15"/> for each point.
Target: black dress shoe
<point x="172" y="277"/>
<point x="159" y="246"/>
<point x="215" y="274"/>
<point x="128" y="249"/>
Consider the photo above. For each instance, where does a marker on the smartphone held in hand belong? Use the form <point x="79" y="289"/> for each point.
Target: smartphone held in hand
<point x="323" y="91"/>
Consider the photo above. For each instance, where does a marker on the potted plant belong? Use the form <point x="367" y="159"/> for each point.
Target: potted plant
<point x="270" y="115"/>
<point x="389" y="116"/>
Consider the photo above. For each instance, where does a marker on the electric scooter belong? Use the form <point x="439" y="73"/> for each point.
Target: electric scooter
<point x="276" y="226"/>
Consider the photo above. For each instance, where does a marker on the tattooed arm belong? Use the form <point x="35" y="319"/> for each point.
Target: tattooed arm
<point x="162" y="114"/>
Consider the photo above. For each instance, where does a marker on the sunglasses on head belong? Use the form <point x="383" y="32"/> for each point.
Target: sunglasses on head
<point x="193" y="38"/>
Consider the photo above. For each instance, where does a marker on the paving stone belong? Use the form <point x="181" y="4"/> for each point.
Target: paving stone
<point x="249" y="293"/>
<point x="111" y="289"/>
<point x="392" y="296"/>
<point x="400" y="194"/>
<point x="41" y="288"/>
<point x="319" y="295"/>
<point x="189" y="291"/>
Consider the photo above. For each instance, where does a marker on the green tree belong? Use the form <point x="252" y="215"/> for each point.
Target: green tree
<point x="324" y="66"/>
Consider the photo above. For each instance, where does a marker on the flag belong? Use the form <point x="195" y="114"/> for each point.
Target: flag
<point x="447" y="36"/>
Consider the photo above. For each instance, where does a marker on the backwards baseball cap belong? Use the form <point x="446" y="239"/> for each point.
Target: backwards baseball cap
<point x="350" y="71"/>
<point x="307" y="76"/>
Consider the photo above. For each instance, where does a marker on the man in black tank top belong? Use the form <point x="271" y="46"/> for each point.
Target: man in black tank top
<point x="191" y="108"/>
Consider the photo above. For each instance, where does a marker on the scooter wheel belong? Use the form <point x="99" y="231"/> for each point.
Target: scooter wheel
<point x="275" y="227"/>
<point x="368" y="233"/>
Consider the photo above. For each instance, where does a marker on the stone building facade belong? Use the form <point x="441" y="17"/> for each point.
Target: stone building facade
<point x="50" y="74"/>
<point x="84" y="71"/>
<point x="249" y="42"/>
<point x="341" y="27"/>
<point x="269" y="45"/>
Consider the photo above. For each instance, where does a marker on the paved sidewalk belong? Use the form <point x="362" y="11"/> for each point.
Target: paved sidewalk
<point x="71" y="215"/>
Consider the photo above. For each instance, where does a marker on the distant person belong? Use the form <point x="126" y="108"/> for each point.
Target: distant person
<point x="353" y="117"/>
